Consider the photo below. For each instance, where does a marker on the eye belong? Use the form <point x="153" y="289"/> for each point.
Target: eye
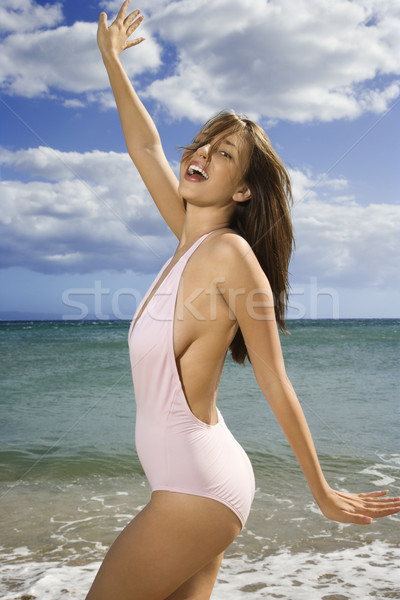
<point x="224" y="153"/>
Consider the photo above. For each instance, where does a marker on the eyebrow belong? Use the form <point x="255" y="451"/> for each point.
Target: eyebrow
<point x="228" y="143"/>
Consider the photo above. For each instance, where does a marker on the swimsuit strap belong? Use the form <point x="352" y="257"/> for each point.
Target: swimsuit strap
<point x="174" y="274"/>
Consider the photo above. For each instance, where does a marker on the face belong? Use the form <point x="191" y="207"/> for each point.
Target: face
<point x="213" y="174"/>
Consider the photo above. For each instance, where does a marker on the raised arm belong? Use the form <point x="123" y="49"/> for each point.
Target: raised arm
<point x="141" y="136"/>
<point x="253" y="308"/>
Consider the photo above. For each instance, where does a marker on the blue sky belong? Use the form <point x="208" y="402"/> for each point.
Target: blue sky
<point x="78" y="231"/>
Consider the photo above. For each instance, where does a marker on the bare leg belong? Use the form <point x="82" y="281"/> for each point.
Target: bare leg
<point x="200" y="586"/>
<point x="173" y="538"/>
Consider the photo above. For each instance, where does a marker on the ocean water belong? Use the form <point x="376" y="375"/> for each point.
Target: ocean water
<point x="70" y="479"/>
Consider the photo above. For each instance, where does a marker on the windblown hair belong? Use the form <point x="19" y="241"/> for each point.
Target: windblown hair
<point x="263" y="220"/>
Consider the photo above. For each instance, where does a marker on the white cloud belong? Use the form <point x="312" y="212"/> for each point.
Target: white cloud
<point x="65" y="59"/>
<point x="341" y="241"/>
<point x="305" y="186"/>
<point x="90" y="211"/>
<point x="27" y="15"/>
<point x="284" y="59"/>
<point x="73" y="103"/>
<point x="146" y="6"/>
<point x="298" y="60"/>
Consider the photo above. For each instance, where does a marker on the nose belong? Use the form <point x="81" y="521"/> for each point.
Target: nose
<point x="203" y="151"/>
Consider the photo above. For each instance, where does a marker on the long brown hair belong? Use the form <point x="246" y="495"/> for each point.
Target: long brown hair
<point x="263" y="220"/>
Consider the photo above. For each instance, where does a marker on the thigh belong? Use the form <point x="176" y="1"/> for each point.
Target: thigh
<point x="174" y="537"/>
<point x="200" y="586"/>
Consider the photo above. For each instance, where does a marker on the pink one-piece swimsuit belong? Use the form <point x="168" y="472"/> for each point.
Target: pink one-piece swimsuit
<point x="178" y="451"/>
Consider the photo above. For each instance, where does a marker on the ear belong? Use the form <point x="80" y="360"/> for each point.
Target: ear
<point x="242" y="194"/>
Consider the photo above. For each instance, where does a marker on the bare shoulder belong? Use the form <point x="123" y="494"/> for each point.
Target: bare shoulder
<point x="234" y="259"/>
<point x="229" y="246"/>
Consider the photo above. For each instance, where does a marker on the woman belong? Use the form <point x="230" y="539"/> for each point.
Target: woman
<point x="229" y="211"/>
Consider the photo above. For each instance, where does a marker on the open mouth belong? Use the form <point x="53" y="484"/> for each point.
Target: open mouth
<point x="197" y="172"/>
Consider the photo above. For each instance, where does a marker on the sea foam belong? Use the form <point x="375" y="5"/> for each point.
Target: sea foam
<point x="365" y="571"/>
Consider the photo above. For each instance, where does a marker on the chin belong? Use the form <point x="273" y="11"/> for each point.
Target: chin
<point x="188" y="193"/>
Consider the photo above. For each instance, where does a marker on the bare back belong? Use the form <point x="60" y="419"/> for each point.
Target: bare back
<point x="204" y="327"/>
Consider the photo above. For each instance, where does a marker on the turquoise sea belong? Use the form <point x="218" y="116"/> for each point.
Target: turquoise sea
<point x="70" y="479"/>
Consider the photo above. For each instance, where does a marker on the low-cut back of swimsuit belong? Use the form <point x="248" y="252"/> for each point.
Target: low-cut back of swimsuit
<point x="178" y="451"/>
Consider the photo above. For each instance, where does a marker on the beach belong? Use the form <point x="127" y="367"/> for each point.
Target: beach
<point x="70" y="478"/>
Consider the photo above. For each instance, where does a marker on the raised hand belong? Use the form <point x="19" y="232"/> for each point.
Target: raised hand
<point x="358" y="508"/>
<point x="114" y="39"/>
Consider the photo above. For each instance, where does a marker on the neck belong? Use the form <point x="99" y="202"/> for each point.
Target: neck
<point x="201" y="220"/>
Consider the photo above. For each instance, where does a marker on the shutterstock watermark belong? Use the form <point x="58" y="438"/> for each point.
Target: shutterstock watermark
<point x="102" y="303"/>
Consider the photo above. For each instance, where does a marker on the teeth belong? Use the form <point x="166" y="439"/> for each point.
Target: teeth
<point x="196" y="169"/>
